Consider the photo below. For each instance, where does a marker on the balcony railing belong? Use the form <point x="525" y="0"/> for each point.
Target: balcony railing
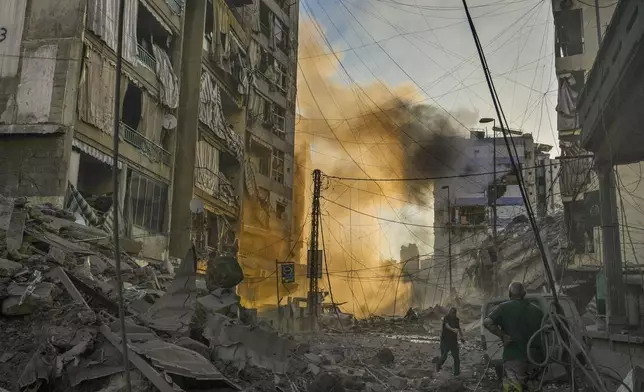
<point x="145" y="145"/>
<point x="146" y="58"/>
<point x="216" y="185"/>
<point x="175" y="5"/>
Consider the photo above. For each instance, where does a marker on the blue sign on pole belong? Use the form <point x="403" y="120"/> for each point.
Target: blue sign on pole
<point x="288" y="272"/>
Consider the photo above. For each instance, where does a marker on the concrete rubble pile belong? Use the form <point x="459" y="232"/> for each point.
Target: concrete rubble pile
<point x="518" y="254"/>
<point x="59" y="305"/>
<point x="61" y="332"/>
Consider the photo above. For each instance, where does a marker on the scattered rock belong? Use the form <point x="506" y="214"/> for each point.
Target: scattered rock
<point x="422" y="383"/>
<point x="4" y="358"/>
<point x="223" y="272"/>
<point x="9" y="268"/>
<point x="354" y="383"/>
<point x="302" y="349"/>
<point x="416" y="373"/>
<point x="385" y="356"/>
<point x="326" y="382"/>
<point x="375" y="387"/>
<point x="398" y="383"/>
<point x="313" y="358"/>
<point x="452" y="385"/>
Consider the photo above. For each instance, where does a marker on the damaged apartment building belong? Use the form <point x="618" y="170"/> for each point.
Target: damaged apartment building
<point x="580" y="28"/>
<point x="464" y="206"/>
<point x="189" y="72"/>
<point x="267" y="234"/>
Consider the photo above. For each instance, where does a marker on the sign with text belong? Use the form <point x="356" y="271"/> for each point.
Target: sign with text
<point x="288" y="272"/>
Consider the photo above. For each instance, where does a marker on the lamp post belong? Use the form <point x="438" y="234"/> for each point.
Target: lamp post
<point x="486" y="120"/>
<point x="449" y="238"/>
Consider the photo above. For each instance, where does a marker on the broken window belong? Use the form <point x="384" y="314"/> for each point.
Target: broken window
<point x="472" y="215"/>
<point x="278" y="166"/>
<point x="279" y="122"/>
<point x="146" y="202"/>
<point x="260" y="157"/>
<point x="281" y="76"/>
<point x="150" y="32"/>
<point x="280" y="210"/>
<point x="265" y="19"/>
<point x="210" y="27"/>
<point x="569" y="33"/>
<point x="280" y="32"/>
<point x="132" y="108"/>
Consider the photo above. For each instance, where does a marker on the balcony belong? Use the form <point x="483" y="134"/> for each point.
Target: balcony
<point x="216" y="185"/>
<point x="610" y="106"/>
<point x="146" y="58"/>
<point x="146" y="146"/>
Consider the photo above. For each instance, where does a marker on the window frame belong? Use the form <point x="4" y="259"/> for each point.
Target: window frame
<point x="153" y="203"/>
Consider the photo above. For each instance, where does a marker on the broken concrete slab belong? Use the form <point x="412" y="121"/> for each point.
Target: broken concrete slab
<point x="174" y="311"/>
<point x="16" y="230"/>
<point x="58" y="241"/>
<point x="69" y="286"/>
<point x="242" y="344"/>
<point x="174" y="359"/>
<point x="38" y="369"/>
<point x="194" y="345"/>
<point x="43" y="295"/>
<point x="147" y="370"/>
<point x="6" y="209"/>
<point x="56" y="255"/>
<point x="9" y="268"/>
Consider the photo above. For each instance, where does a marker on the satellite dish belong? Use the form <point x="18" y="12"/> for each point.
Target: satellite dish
<point x="169" y="121"/>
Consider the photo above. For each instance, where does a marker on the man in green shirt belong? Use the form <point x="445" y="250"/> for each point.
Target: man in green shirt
<point x="515" y="321"/>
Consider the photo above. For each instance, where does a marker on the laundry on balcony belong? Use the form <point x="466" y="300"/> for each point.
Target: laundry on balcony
<point x="211" y="114"/>
<point x="567" y="103"/>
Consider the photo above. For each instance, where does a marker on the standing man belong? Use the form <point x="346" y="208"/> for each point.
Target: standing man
<point x="515" y="321"/>
<point x="449" y="341"/>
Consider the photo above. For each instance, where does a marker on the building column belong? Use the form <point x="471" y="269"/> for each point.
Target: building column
<point x="612" y="255"/>
<point x="187" y="127"/>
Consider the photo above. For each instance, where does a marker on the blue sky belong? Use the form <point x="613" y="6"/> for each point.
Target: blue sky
<point x="428" y="43"/>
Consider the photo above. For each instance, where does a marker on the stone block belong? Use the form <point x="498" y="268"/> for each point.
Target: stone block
<point x="9" y="268"/>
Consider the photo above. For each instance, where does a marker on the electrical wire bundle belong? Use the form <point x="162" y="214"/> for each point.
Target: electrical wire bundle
<point x="559" y="341"/>
<point x="555" y="333"/>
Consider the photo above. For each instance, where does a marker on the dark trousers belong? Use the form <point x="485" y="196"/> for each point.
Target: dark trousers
<point x="446" y="348"/>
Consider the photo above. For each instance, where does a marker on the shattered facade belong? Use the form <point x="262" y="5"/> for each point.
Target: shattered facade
<point x="268" y="232"/>
<point x="471" y="199"/>
<point x="576" y="47"/>
<point x="190" y="71"/>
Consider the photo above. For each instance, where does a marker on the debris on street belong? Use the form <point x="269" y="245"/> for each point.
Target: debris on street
<point x="59" y="320"/>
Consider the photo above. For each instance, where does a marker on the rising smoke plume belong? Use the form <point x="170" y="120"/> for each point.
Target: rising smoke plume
<point x="368" y="130"/>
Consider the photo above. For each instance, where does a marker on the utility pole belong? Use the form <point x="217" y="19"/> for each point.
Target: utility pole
<point x="277" y="291"/>
<point x="115" y="192"/>
<point x="612" y="255"/>
<point x="313" y="257"/>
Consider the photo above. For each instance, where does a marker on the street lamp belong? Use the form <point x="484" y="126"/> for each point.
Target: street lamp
<point x="449" y="237"/>
<point x="486" y="120"/>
